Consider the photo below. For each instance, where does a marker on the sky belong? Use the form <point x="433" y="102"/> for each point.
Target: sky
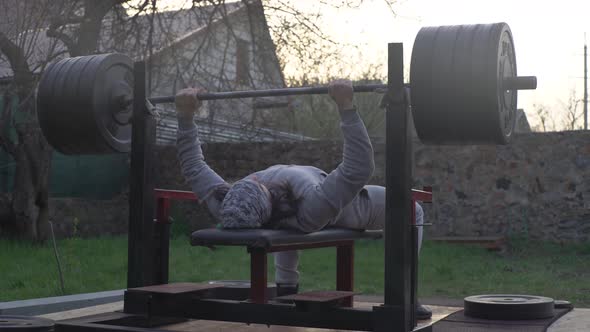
<point x="548" y="36"/>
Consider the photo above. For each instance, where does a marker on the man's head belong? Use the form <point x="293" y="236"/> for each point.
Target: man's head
<point x="247" y="204"/>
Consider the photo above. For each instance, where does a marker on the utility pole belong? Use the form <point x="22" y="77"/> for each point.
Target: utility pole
<point x="585" y="84"/>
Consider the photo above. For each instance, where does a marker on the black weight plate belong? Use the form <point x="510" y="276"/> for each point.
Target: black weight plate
<point x="562" y="304"/>
<point x="466" y="121"/>
<point x="509" y="307"/>
<point x="456" y="87"/>
<point x="483" y="86"/>
<point x="59" y="111"/>
<point x="486" y="65"/>
<point x="80" y="137"/>
<point x="420" y="79"/>
<point x="507" y="99"/>
<point x="48" y="111"/>
<point x="10" y="323"/>
<point x="73" y="107"/>
<point x="92" y="141"/>
<point x="46" y="81"/>
<point x="445" y="120"/>
<point x="114" y="69"/>
<point x="97" y="81"/>
<point x="75" y="104"/>
<point x="436" y="118"/>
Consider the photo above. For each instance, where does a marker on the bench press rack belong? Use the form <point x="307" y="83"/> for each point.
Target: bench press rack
<point x="147" y="307"/>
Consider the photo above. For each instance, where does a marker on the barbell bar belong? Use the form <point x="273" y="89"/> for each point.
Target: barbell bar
<point x="509" y="83"/>
<point x="463" y="87"/>
<point x="268" y="93"/>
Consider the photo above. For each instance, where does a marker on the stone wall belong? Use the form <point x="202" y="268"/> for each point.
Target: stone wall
<point x="538" y="186"/>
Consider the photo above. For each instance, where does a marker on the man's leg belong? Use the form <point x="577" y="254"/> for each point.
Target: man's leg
<point x="375" y="200"/>
<point x="371" y="211"/>
<point x="366" y="211"/>
<point x="420" y="222"/>
<point x="286" y="274"/>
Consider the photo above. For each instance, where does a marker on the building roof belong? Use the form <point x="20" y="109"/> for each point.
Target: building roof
<point x="521" y="122"/>
<point x="222" y="131"/>
<point x="169" y="27"/>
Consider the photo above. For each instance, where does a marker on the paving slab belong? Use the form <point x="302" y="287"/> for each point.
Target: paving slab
<point x="35" y="307"/>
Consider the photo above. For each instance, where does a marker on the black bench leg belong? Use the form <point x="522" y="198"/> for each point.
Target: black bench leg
<point x="258" y="277"/>
<point x="345" y="270"/>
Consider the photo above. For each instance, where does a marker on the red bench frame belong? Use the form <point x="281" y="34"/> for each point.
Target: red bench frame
<point x="258" y="256"/>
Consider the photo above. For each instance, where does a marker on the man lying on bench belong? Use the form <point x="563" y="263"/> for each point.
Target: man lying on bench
<point x="303" y="198"/>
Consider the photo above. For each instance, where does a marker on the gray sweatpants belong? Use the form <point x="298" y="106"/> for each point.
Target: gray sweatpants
<point x="366" y="211"/>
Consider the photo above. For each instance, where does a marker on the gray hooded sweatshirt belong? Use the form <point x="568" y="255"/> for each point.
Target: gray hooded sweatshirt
<point x="339" y="198"/>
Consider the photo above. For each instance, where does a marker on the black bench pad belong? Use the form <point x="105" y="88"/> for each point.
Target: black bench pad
<point x="266" y="238"/>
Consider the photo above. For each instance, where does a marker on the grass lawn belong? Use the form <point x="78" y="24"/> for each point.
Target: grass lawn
<point x="454" y="271"/>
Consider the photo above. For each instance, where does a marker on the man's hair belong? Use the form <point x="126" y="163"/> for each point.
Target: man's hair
<point x="247" y="204"/>
<point x="283" y="202"/>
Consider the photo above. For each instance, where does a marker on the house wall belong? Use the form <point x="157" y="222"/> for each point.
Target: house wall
<point x="211" y="58"/>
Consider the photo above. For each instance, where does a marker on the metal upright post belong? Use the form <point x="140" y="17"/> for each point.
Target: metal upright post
<point x="585" y="85"/>
<point x="141" y="247"/>
<point x="396" y="313"/>
<point x="162" y="240"/>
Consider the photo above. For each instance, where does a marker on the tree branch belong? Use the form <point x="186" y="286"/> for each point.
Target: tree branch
<point x="60" y="21"/>
<point x="17" y="60"/>
<point x="63" y="37"/>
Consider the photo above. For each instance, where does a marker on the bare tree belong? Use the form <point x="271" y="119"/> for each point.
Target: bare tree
<point x="297" y="41"/>
<point x="544" y="117"/>
<point x="302" y="44"/>
<point x="573" y="113"/>
<point x="76" y="26"/>
<point x="28" y="204"/>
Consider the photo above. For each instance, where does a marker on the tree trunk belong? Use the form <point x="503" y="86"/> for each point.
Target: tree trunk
<point x="30" y="208"/>
<point x="31" y="153"/>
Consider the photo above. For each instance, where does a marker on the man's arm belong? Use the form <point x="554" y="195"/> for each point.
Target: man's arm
<point x="324" y="202"/>
<point x="202" y="179"/>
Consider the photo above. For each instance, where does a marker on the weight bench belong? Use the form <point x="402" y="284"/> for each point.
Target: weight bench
<point x="260" y="242"/>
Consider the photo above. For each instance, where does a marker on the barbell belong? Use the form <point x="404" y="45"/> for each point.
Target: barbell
<point x="463" y="86"/>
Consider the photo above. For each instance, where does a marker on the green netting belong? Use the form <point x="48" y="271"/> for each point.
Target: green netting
<point x="96" y="177"/>
<point x="99" y="177"/>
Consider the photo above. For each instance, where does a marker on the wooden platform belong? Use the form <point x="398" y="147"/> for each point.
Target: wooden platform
<point x="176" y="288"/>
<point x="577" y="320"/>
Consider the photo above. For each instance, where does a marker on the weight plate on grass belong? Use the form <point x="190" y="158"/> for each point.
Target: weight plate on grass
<point x="509" y="307"/>
<point x="562" y="304"/>
<point x="25" y="324"/>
